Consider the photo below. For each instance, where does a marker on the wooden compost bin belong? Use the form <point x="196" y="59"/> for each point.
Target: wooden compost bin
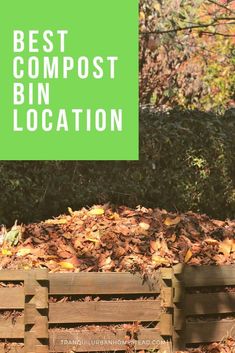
<point x="203" y="304"/>
<point x="41" y="323"/>
<point x="187" y="305"/>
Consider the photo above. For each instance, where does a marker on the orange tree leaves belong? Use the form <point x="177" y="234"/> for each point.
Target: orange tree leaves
<point x="187" y="54"/>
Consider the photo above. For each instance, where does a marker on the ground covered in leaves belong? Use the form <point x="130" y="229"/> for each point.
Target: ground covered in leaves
<point x="122" y="239"/>
<point x="105" y="239"/>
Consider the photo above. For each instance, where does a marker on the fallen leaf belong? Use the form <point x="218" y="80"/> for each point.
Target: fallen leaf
<point x="14" y="235"/>
<point x="159" y="260"/>
<point x="211" y="241"/>
<point x="70" y="211"/>
<point x="114" y="216"/>
<point x="118" y="252"/>
<point x="6" y="252"/>
<point x="155" y="245"/>
<point x="173" y="238"/>
<point x="157" y="6"/>
<point x="56" y="221"/>
<point x="172" y="221"/>
<point x="96" y="212"/>
<point x="93" y="240"/>
<point x="188" y="256"/>
<point x="23" y="252"/>
<point x="66" y="265"/>
<point x="144" y="226"/>
<point x="142" y="16"/>
<point x="105" y="263"/>
<point x="77" y="244"/>
<point x="233" y="246"/>
<point x="226" y="246"/>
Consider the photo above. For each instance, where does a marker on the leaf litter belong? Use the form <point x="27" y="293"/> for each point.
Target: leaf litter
<point x="114" y="240"/>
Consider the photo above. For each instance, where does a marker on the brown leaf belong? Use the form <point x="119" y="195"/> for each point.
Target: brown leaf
<point x="155" y="245"/>
<point x="211" y="241"/>
<point x="159" y="260"/>
<point x="172" y="221"/>
<point x="226" y="246"/>
<point x="144" y="226"/>
<point x="23" y="252"/>
<point x="188" y="256"/>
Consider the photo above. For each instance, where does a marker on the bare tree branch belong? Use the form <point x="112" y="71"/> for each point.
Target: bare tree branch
<point x="221" y="5"/>
<point x="218" y="34"/>
<point x="199" y="26"/>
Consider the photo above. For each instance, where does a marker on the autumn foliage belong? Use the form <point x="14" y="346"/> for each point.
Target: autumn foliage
<point x="187" y="54"/>
<point x="103" y="238"/>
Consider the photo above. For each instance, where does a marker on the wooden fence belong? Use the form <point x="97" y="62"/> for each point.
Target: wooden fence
<point x="170" y="309"/>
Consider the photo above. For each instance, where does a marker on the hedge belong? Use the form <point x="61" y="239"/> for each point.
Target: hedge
<point x="187" y="162"/>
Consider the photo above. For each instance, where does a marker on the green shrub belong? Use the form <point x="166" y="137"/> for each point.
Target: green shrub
<point x="187" y="162"/>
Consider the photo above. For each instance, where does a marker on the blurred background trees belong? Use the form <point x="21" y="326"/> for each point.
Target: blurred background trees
<point x="187" y="54"/>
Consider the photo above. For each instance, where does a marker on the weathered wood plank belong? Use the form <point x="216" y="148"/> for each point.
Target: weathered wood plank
<point x="20" y="275"/>
<point x="88" y="341"/>
<point x="11" y="298"/>
<point x="165" y="324"/>
<point x="101" y="283"/>
<point x="179" y="319"/>
<point x="209" y="331"/>
<point x="110" y="311"/>
<point x="12" y="275"/>
<point x="199" y="276"/>
<point x="166" y="297"/>
<point x="36" y="322"/>
<point x="178" y="338"/>
<point x="209" y="303"/>
<point x="10" y="329"/>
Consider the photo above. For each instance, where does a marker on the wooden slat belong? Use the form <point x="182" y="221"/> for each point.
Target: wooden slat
<point x="178" y="338"/>
<point x="11" y="298"/>
<point x="166" y="297"/>
<point x="209" y="303"/>
<point x="36" y="322"/>
<point x="12" y="275"/>
<point x="110" y="311"/>
<point x="101" y="283"/>
<point x="166" y="273"/>
<point x="10" y="329"/>
<point x="88" y="341"/>
<point x="179" y="319"/>
<point x="41" y="274"/>
<point x="209" y="331"/>
<point x="165" y="324"/>
<point x="199" y="276"/>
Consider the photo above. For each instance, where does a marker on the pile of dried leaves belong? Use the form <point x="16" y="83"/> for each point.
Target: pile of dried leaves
<point x="104" y="239"/>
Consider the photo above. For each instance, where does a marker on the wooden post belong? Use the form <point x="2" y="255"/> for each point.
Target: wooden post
<point x="166" y="321"/>
<point x="179" y="321"/>
<point x="36" y="311"/>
